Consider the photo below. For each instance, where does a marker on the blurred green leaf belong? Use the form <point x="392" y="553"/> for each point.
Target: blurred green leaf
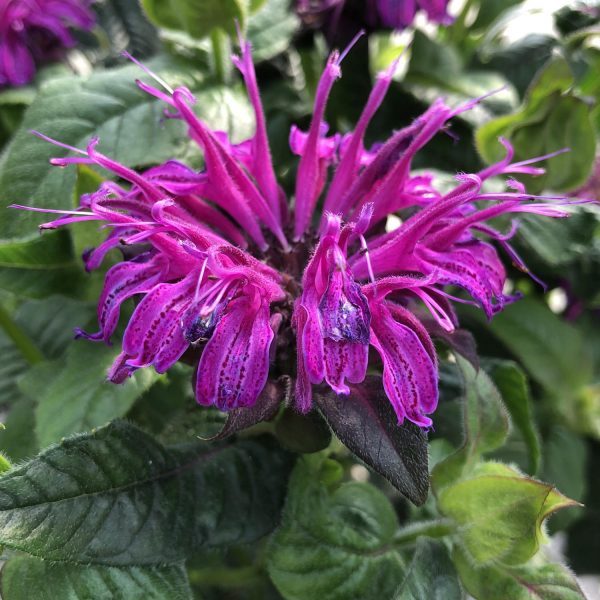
<point x="271" y="29"/>
<point x="511" y="382"/>
<point x="435" y="67"/>
<point x="583" y="542"/>
<point x="50" y="322"/>
<point x="534" y="581"/>
<point x="123" y="25"/>
<point x="551" y="350"/>
<point x="500" y="513"/>
<point x="49" y="325"/>
<point x="13" y="365"/>
<point x="490" y="10"/>
<point x="43" y="266"/>
<point x="24" y="578"/>
<point x="197" y="18"/>
<point x="129" y="123"/>
<point x="334" y="541"/>
<point x="555" y="355"/>
<point x="18" y="438"/>
<point x="486" y="425"/>
<point x="73" y="395"/>
<point x="117" y="497"/>
<point x="551" y="118"/>
<point x="565" y="463"/>
<point x="430" y="575"/>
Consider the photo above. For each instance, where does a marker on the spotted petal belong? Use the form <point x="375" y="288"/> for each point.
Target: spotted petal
<point x="409" y="372"/>
<point x="234" y="366"/>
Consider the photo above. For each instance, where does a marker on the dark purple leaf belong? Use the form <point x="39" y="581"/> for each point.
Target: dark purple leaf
<point x="264" y="409"/>
<point x="366" y="423"/>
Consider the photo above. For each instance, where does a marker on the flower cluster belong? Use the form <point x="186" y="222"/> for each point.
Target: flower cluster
<point x="229" y="271"/>
<point x="35" y="31"/>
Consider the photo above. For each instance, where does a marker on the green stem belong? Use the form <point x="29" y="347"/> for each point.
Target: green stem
<point x="21" y="340"/>
<point x="225" y="578"/>
<point x="456" y="32"/>
<point x="221" y="50"/>
<point x="436" y="528"/>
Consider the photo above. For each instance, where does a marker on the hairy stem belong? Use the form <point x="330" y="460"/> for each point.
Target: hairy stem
<point x="436" y="528"/>
<point x="221" y="50"/>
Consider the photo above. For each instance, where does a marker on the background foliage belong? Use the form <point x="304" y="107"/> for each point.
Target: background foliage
<point x="115" y="492"/>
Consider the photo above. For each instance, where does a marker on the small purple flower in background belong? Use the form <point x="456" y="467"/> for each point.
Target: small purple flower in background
<point x="230" y="271"/>
<point x="392" y="14"/>
<point x="37" y="31"/>
<point x="398" y="14"/>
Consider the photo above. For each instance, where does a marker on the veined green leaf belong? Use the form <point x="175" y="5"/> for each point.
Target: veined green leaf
<point x="73" y="395"/>
<point x="334" y="542"/>
<point x="117" y="497"/>
<point x="24" y="578"/>
<point x="129" y="123"/>
<point x="486" y="425"/>
<point x="430" y="575"/>
<point x="500" y="513"/>
<point x="533" y="581"/>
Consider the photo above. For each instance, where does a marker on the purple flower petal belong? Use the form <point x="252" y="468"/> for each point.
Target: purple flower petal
<point x="409" y="371"/>
<point x="234" y="365"/>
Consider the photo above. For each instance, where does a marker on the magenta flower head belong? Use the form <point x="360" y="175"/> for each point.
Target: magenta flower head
<point x="35" y="31"/>
<point x="226" y="269"/>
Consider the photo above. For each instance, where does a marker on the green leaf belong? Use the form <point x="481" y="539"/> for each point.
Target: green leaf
<point x="49" y="325"/>
<point x="123" y="26"/>
<point x="43" y="266"/>
<point x="129" y="123"/>
<point x="430" y="575"/>
<point x="117" y="497"/>
<point x="24" y="578"/>
<point x="565" y="465"/>
<point x="271" y="29"/>
<point x="73" y="395"/>
<point x="334" y="542"/>
<point x="18" y="437"/>
<point x="12" y="366"/>
<point x="500" y="513"/>
<point x="550" y="118"/>
<point x="436" y="67"/>
<point x="534" y="581"/>
<point x="198" y="18"/>
<point x="50" y="322"/>
<point x="486" y="425"/>
<point x="489" y="11"/>
<point x="511" y="382"/>
<point x="554" y="354"/>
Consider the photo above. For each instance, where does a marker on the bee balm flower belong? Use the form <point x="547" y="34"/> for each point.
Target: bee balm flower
<point x="230" y="270"/>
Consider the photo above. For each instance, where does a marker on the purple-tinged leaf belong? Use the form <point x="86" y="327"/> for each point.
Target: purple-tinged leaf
<point x="367" y="424"/>
<point x="264" y="409"/>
